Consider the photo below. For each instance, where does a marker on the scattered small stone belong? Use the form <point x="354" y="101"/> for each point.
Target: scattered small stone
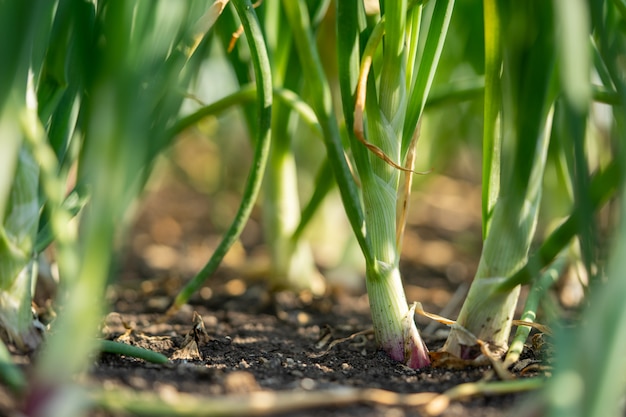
<point x="137" y="382"/>
<point x="307" y="384"/>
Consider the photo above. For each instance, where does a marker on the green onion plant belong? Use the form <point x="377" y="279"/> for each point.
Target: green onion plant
<point x="538" y="95"/>
<point x="384" y="87"/>
<point x="95" y="89"/>
<point x="588" y="378"/>
<point x="292" y="263"/>
<point x="19" y="174"/>
<point x="128" y="93"/>
<point x="519" y="96"/>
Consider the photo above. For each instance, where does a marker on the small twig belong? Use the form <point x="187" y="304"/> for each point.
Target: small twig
<point x="439" y="404"/>
<point x="537" y="326"/>
<point x="253" y="404"/>
<point x="264" y="402"/>
<point x="419" y="309"/>
<point x="233" y="39"/>
<point x="194" y="98"/>
<point x="358" y="132"/>
<point x="237" y="34"/>
<point x="455" y="301"/>
<point x="342" y="340"/>
<point x="496" y="364"/>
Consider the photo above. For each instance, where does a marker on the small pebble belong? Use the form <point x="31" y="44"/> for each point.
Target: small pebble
<point x="307" y="384"/>
<point x="240" y="382"/>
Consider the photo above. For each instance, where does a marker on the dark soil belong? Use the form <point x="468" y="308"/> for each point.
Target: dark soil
<point x="260" y="341"/>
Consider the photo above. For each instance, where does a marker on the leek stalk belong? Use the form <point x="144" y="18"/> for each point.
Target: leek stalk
<point x="510" y="221"/>
<point x="393" y="108"/>
<point x="292" y="263"/>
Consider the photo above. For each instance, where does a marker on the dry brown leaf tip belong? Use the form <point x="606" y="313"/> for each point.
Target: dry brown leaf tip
<point x="194" y="339"/>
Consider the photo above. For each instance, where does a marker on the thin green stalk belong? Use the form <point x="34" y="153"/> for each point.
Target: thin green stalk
<point x="580" y="387"/>
<point x="492" y="139"/>
<point x="487" y="312"/>
<point x="253" y="185"/>
<point x="127" y="92"/>
<point x="537" y="291"/>
<point x="392" y="90"/>
<point x="414" y="21"/>
<point x="292" y="263"/>
<point x="589" y="375"/>
<point x="572" y="23"/>
<point x="604" y="95"/>
<point x="246" y="95"/>
<point x="118" y="348"/>
<point x="321" y="102"/>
